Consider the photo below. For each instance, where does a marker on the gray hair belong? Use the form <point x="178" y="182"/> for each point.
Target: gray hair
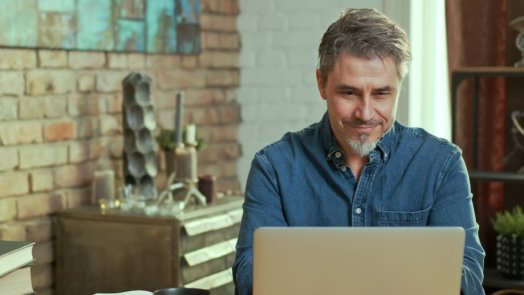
<point x="365" y="33"/>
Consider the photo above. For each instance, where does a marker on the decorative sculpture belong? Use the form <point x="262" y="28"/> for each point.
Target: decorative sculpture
<point x="140" y="162"/>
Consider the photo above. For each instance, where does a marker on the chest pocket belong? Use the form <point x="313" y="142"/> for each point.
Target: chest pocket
<point x="402" y="218"/>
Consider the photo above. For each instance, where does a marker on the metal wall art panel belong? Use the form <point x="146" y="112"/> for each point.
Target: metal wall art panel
<point x="152" y="26"/>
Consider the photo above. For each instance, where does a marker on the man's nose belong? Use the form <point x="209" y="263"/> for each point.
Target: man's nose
<point x="365" y="109"/>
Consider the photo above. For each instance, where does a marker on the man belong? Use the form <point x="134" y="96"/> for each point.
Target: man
<point x="358" y="166"/>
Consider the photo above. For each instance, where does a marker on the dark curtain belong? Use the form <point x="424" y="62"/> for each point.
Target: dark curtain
<point x="477" y="33"/>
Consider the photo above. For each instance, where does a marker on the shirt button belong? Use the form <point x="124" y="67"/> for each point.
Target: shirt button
<point x="338" y="154"/>
<point x="358" y="211"/>
<point x="343" y="168"/>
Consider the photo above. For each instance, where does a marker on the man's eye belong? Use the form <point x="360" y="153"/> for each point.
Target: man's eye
<point x="382" y="93"/>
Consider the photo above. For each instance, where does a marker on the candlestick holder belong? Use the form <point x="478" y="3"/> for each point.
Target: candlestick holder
<point x="186" y="173"/>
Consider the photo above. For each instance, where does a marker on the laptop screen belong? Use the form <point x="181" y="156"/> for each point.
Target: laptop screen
<point x="358" y="260"/>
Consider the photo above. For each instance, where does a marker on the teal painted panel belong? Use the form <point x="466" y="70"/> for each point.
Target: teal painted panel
<point x="56" y="30"/>
<point x="95" y="30"/>
<point x="155" y="26"/>
<point x="18" y="23"/>
<point x="130" y="35"/>
<point x="161" y="29"/>
<point x="57" y="5"/>
<point x="189" y="11"/>
<point x="188" y="18"/>
<point x="130" y="9"/>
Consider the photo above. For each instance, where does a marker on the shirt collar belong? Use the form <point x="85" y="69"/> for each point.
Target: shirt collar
<point x="335" y="154"/>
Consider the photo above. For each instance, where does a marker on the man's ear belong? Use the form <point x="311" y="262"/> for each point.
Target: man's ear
<point x="320" y="84"/>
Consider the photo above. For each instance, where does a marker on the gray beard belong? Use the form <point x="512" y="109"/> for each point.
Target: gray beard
<point x="360" y="146"/>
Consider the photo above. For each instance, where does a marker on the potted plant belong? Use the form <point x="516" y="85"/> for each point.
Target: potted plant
<point x="509" y="226"/>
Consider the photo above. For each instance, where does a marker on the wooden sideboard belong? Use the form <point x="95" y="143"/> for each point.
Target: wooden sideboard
<point x="114" y="251"/>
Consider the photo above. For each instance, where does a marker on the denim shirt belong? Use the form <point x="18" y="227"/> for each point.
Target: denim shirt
<point x="412" y="179"/>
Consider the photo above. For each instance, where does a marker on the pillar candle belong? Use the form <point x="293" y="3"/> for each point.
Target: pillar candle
<point x="103" y="186"/>
<point x="191" y="134"/>
<point x="186" y="164"/>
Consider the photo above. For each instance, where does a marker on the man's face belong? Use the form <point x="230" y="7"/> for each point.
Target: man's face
<point x="361" y="96"/>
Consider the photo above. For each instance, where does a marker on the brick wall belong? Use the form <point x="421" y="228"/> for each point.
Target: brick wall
<point x="60" y="120"/>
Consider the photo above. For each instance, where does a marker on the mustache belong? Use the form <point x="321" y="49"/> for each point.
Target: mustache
<point x="359" y="122"/>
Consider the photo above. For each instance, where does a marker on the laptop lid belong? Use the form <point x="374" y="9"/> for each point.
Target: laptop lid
<point x="358" y="260"/>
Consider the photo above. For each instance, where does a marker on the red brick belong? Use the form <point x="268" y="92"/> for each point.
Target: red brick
<point x="86" y="127"/>
<point x="59" y="131"/>
<point x="230" y="95"/>
<point x="210" y="40"/>
<point x="221" y="40"/>
<point x="9" y="158"/>
<point x="55" y="107"/>
<point x="110" y="81"/>
<point x="202" y="97"/>
<point x="204" y="116"/>
<point x="224" y="133"/>
<point x="32" y="108"/>
<point x="20" y="133"/>
<point x="189" y="62"/>
<point x="87" y="60"/>
<point x="114" y="103"/>
<point x="223" y="151"/>
<point x="41" y="180"/>
<point x="219" y="23"/>
<point x="14" y="59"/>
<point x="40" y="204"/>
<point x="110" y="125"/>
<point x="218" y="59"/>
<point x="230" y="41"/>
<point x="12" y="184"/>
<point x="12" y="231"/>
<point x="35" y="156"/>
<point x="78" y="151"/>
<point x="7" y="209"/>
<point x="162" y="61"/>
<point x="223" y="78"/>
<point x="220" y="6"/>
<point x="180" y="79"/>
<point x="12" y="83"/>
<point x="86" y="82"/>
<point x="73" y="175"/>
<point x="117" y="60"/>
<point x="86" y="105"/>
<point x="44" y="82"/>
<point x="8" y="108"/>
<point x="52" y="58"/>
<point x="39" y="229"/>
<point x="136" y="61"/>
<point x="229" y="113"/>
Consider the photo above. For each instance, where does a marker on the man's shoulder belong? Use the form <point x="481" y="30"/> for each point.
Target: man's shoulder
<point x="422" y="137"/>
<point x="292" y="140"/>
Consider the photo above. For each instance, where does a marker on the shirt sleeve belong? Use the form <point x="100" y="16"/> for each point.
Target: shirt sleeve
<point x="262" y="207"/>
<point x="454" y="207"/>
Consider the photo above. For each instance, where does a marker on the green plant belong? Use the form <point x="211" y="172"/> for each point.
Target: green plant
<point x="166" y="140"/>
<point x="510" y="222"/>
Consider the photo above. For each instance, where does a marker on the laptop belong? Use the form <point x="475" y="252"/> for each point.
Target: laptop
<point x="358" y="260"/>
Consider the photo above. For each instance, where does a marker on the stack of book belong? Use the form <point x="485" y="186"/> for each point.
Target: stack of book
<point x="16" y="258"/>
